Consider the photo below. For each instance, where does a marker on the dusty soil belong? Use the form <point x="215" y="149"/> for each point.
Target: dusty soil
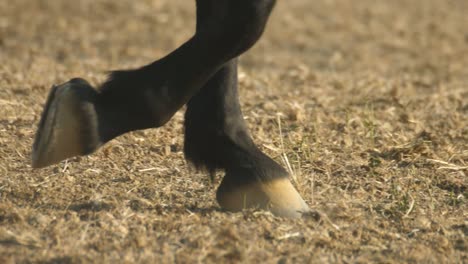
<point x="365" y="102"/>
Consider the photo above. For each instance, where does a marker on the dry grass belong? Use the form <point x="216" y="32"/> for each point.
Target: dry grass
<point x="365" y="102"/>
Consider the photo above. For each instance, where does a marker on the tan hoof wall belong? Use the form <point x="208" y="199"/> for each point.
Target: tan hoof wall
<point x="277" y="196"/>
<point x="68" y="125"/>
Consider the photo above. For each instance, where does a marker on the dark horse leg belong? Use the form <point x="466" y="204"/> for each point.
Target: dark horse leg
<point x="77" y="119"/>
<point x="216" y="137"/>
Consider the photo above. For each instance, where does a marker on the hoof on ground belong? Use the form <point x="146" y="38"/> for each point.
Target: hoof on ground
<point x="68" y="125"/>
<point x="275" y="195"/>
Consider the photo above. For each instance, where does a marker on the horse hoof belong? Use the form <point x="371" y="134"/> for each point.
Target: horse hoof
<point x="68" y="125"/>
<point x="276" y="195"/>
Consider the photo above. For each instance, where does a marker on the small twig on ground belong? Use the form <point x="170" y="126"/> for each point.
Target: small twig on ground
<point x="283" y="155"/>
<point x="290" y="235"/>
<point x="449" y="166"/>
<point x="410" y="207"/>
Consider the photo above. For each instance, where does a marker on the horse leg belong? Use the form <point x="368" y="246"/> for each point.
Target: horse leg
<point x="216" y="137"/>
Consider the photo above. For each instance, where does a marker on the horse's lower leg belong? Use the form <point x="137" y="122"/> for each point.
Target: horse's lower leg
<point x="216" y="137"/>
<point x="215" y="131"/>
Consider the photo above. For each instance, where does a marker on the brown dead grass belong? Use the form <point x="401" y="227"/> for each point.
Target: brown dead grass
<point x="365" y="102"/>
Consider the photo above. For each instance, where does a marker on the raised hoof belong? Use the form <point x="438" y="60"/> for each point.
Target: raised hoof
<point x="275" y="195"/>
<point x="68" y="125"/>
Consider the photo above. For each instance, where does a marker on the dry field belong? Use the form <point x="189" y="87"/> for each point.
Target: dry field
<point x="365" y="102"/>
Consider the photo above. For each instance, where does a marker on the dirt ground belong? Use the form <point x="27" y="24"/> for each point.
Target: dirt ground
<point x="365" y="102"/>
